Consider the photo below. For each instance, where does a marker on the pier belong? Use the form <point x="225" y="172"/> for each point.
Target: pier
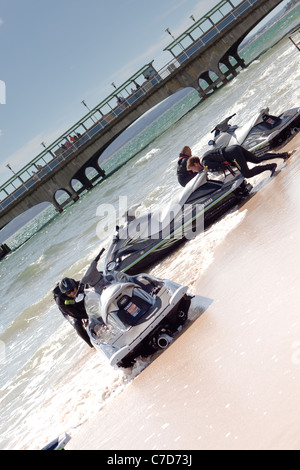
<point x="205" y="57"/>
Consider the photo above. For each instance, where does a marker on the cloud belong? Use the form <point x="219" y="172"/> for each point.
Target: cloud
<point x="131" y="67"/>
<point x="24" y="155"/>
<point x="167" y="13"/>
<point x="156" y="52"/>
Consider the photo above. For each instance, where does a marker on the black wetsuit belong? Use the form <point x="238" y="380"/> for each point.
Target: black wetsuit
<point x="74" y="312"/>
<point x="239" y="156"/>
<point x="183" y="175"/>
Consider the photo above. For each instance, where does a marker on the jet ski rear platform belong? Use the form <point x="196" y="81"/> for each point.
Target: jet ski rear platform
<point x="135" y="316"/>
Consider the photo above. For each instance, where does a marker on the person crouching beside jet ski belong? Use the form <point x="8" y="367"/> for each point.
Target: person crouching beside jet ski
<point x="237" y="155"/>
<point x="64" y="296"/>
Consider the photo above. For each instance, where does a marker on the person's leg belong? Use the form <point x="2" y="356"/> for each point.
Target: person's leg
<point x="251" y="157"/>
<point x="81" y="331"/>
<point x="269" y="156"/>
<point x="239" y="156"/>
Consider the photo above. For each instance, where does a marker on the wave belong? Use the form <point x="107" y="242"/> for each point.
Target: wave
<point x="85" y="383"/>
<point x="24" y="320"/>
<point x="190" y="261"/>
<point x="144" y="159"/>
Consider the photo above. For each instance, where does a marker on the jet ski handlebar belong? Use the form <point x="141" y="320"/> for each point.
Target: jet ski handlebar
<point x="99" y="255"/>
<point x="222" y="126"/>
<point x="91" y="275"/>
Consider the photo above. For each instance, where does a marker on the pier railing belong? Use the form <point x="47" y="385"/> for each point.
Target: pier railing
<point x="140" y="84"/>
<point x="295" y="38"/>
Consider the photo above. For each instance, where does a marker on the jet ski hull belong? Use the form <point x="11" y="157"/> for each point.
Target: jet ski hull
<point x="59" y="443"/>
<point x="261" y="134"/>
<point x="207" y="203"/>
<point x="261" y="140"/>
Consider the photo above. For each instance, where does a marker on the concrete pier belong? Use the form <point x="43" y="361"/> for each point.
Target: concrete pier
<point x="207" y="63"/>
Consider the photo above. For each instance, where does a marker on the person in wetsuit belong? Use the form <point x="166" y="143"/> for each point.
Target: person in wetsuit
<point x="183" y="175"/>
<point x="64" y="296"/>
<point x="237" y="155"/>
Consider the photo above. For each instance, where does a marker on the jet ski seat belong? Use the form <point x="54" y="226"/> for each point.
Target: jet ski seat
<point x="195" y="183"/>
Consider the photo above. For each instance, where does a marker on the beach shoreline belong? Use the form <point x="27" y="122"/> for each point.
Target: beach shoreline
<point x="231" y="379"/>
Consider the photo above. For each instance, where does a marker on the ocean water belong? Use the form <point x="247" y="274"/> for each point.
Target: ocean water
<point x="50" y="381"/>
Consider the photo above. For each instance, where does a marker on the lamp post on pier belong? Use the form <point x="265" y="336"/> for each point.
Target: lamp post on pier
<point x="179" y="43"/>
<point x="84" y="104"/>
<point x="50" y="151"/>
<point x="169" y="32"/>
<point x="14" y="173"/>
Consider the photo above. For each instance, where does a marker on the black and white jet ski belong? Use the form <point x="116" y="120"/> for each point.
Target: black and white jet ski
<point x="144" y="240"/>
<point x="262" y="133"/>
<point x="132" y="316"/>
<point x="59" y="443"/>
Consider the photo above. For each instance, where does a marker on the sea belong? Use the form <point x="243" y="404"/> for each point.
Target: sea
<point x="51" y="382"/>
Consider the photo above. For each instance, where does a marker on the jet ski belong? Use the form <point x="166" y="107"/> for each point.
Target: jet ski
<point x="262" y="133"/>
<point x="59" y="443"/>
<point x="144" y="240"/>
<point x="132" y="316"/>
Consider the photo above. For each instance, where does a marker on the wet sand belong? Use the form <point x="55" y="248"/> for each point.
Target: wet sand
<point x="232" y="379"/>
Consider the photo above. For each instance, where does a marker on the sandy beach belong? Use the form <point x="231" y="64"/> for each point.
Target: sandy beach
<point x="231" y="379"/>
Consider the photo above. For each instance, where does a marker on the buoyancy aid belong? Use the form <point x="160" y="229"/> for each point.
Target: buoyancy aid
<point x="68" y="306"/>
<point x="214" y="160"/>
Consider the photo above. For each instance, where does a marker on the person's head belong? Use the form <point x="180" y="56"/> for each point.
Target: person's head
<point x="194" y="165"/>
<point x="186" y="150"/>
<point x="68" y="287"/>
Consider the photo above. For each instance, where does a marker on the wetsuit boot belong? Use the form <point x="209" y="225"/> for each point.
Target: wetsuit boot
<point x="272" y="168"/>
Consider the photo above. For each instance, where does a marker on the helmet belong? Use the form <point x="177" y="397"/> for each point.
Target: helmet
<point x="67" y="285"/>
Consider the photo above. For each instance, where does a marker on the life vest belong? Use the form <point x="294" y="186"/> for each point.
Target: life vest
<point x="214" y="160"/>
<point x="181" y="164"/>
<point x="183" y="175"/>
<point x="182" y="155"/>
<point x="69" y="306"/>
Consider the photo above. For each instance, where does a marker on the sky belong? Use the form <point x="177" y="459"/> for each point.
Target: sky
<point x="56" y="53"/>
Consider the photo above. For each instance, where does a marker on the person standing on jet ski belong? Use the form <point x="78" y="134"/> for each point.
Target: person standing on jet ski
<point x="64" y="296"/>
<point x="237" y="155"/>
<point x="183" y="175"/>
